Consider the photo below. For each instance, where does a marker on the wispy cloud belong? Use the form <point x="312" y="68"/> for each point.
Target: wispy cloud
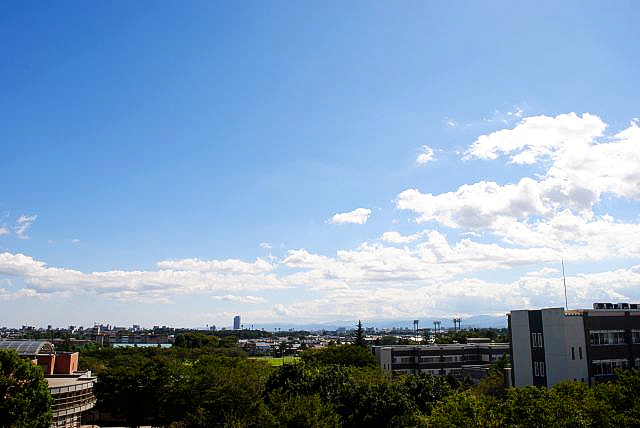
<point x="24" y="222"/>
<point x="504" y="116"/>
<point x="425" y="155"/>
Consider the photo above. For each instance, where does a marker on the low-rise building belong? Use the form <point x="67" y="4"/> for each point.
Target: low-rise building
<point x="71" y="390"/>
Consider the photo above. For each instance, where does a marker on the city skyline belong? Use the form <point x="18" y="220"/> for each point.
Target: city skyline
<point x="294" y="163"/>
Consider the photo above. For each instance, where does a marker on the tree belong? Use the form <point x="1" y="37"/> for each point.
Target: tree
<point x="426" y="390"/>
<point x="303" y="411"/>
<point x="344" y="355"/>
<point x="463" y="409"/>
<point x="360" y="335"/>
<point x="24" y="393"/>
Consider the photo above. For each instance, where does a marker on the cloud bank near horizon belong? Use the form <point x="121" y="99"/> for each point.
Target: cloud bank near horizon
<point x="463" y="237"/>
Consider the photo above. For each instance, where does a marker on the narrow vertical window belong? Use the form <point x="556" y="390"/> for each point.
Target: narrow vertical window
<point x="541" y="369"/>
<point x="580" y="351"/>
<point x="573" y="353"/>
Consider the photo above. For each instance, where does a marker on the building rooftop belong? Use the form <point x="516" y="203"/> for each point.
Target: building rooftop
<point x="28" y="347"/>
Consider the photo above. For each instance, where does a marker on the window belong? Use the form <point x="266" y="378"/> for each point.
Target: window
<point x="536" y="368"/>
<point x="541" y="368"/>
<point x="580" y="351"/>
<point x="635" y="336"/>
<point x="573" y="353"/>
<point x="606" y="337"/>
<point x="607" y="367"/>
<point x="536" y="340"/>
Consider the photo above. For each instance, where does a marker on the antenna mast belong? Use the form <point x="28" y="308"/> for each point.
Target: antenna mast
<point x="564" y="281"/>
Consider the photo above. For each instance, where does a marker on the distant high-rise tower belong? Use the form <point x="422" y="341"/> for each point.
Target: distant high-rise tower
<point x="236" y="322"/>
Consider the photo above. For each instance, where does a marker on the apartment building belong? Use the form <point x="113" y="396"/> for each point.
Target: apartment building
<point x="552" y="345"/>
<point x="453" y="359"/>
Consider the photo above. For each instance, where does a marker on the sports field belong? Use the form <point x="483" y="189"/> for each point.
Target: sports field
<point x="277" y="361"/>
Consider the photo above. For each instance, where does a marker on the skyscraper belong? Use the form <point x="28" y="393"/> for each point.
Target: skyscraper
<point x="236" y="322"/>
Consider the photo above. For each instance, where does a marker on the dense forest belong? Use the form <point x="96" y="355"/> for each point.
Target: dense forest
<point x="209" y="385"/>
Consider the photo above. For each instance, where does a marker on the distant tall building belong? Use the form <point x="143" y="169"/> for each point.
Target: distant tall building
<point x="236" y="322"/>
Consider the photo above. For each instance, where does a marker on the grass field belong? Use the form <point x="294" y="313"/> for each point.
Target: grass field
<point x="277" y="361"/>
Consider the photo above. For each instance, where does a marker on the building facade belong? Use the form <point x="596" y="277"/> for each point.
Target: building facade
<point x="441" y="360"/>
<point x="552" y="345"/>
<point x="236" y="322"/>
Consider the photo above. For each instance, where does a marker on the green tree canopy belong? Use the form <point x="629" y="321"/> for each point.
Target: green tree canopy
<point x="344" y="355"/>
<point x="24" y="393"/>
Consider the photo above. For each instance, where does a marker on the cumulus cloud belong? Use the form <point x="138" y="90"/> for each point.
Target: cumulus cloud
<point x="4" y="231"/>
<point x="24" y="222"/>
<point x="173" y="278"/>
<point x="538" y="136"/>
<point x="357" y="216"/>
<point x="425" y="155"/>
<point x="475" y="205"/>
<point x="580" y="169"/>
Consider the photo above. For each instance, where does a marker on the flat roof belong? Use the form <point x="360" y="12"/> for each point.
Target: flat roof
<point x="63" y="381"/>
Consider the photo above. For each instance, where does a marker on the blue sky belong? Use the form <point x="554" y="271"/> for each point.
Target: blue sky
<point x="139" y="137"/>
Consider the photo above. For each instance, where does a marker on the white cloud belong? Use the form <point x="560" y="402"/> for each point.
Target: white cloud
<point x="24" y="221"/>
<point x="397" y="238"/>
<point x="538" y="136"/>
<point x="580" y="170"/>
<point x="265" y="245"/>
<point x="220" y="266"/>
<point x="4" y="231"/>
<point x="357" y="216"/>
<point x="476" y="205"/>
<point x="239" y="299"/>
<point x="425" y="155"/>
<point x="174" y="278"/>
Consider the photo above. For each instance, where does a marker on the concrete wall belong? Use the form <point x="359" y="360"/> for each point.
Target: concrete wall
<point x="574" y="335"/>
<point x="384" y="358"/>
<point x="521" y="345"/>
<point x="555" y="346"/>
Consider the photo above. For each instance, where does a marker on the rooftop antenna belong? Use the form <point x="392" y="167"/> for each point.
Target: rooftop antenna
<point x="564" y="281"/>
